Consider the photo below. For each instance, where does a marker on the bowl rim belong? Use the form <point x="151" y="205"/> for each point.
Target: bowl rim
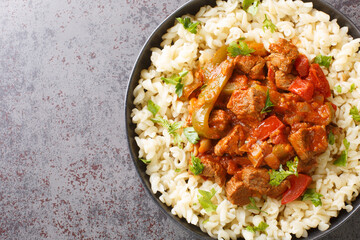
<point x="143" y="61"/>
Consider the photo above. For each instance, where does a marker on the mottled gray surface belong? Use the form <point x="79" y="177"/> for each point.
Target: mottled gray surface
<point x="65" y="170"/>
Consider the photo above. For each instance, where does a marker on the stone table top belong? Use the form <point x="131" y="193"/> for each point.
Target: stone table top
<point x="65" y="169"/>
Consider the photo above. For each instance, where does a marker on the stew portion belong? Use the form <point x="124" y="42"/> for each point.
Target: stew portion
<point x="259" y="114"/>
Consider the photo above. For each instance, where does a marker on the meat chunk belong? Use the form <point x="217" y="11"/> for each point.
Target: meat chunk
<point x="308" y="143"/>
<point x="252" y="65"/>
<point x="283" y="80"/>
<point x="247" y="104"/>
<point x="236" y="192"/>
<point x="283" y="55"/>
<point x="257" y="151"/>
<point x="231" y="143"/>
<point x="277" y="191"/>
<point x="256" y="179"/>
<point x="213" y="169"/>
<point x="220" y="120"/>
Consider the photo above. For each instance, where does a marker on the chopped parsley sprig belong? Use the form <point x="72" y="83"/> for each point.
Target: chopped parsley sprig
<point x="176" y="80"/>
<point x="323" y="60"/>
<point x="252" y="205"/>
<point x="153" y="107"/>
<point x="205" y="200"/>
<point x="188" y="25"/>
<point x="191" y="135"/>
<point x="240" y="48"/>
<point x="313" y="196"/>
<point x="341" y="161"/>
<point x="268" y="24"/>
<point x="197" y="167"/>
<point x="172" y="128"/>
<point x="251" y="6"/>
<point x="260" y="228"/>
<point x="354" y="112"/>
<point x="145" y="161"/>
<point x="268" y="103"/>
<point x="331" y="138"/>
<point x="352" y="87"/>
<point x="276" y="177"/>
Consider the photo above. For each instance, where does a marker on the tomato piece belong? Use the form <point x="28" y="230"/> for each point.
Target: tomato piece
<point x="278" y="136"/>
<point x="302" y="65"/>
<point x="271" y="78"/>
<point x="298" y="187"/>
<point x="303" y="88"/>
<point x="266" y="127"/>
<point x="318" y="78"/>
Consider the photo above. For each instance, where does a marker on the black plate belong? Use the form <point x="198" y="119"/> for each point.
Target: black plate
<point x="143" y="61"/>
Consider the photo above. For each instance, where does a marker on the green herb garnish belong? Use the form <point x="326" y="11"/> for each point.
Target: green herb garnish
<point x="145" y="161"/>
<point x="252" y="205"/>
<point x="251" y="6"/>
<point x="197" y="167"/>
<point x="177" y="170"/>
<point x="188" y="25"/>
<point x="177" y="81"/>
<point x="268" y="103"/>
<point x="205" y="200"/>
<point x="191" y="135"/>
<point x="354" y="112"/>
<point x="352" y="87"/>
<point x="153" y="107"/>
<point x="323" y="60"/>
<point x="276" y="177"/>
<point x="338" y="88"/>
<point x="240" y="48"/>
<point x="261" y="228"/>
<point x="313" y="196"/>
<point x="267" y="23"/>
<point x="341" y="161"/>
<point x="172" y="128"/>
<point x="331" y="138"/>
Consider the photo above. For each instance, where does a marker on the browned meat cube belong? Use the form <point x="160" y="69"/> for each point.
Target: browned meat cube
<point x="247" y="104"/>
<point x="213" y="169"/>
<point x="277" y="191"/>
<point x="236" y="192"/>
<point x="252" y="65"/>
<point x="283" y="80"/>
<point x="283" y="55"/>
<point x="220" y="120"/>
<point x="308" y="143"/>
<point x="231" y="143"/>
<point x="256" y="179"/>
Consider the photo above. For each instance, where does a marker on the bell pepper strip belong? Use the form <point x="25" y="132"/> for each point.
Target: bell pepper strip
<point x="298" y="186"/>
<point x="303" y="88"/>
<point x="266" y="127"/>
<point x="207" y="99"/>
<point x="318" y="78"/>
<point x="302" y="65"/>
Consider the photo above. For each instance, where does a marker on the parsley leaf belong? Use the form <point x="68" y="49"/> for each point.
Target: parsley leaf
<point x="252" y="205"/>
<point x="352" y="87"/>
<point x="267" y="23"/>
<point x="145" y="161"/>
<point x="188" y="25"/>
<point x="253" y="9"/>
<point x="276" y="177"/>
<point x="177" y="170"/>
<point x="205" y="200"/>
<point x="197" y="167"/>
<point x="261" y="228"/>
<point x="313" y="196"/>
<point x="323" y="60"/>
<point x="191" y="135"/>
<point x="354" y="112"/>
<point x="331" y="138"/>
<point x="242" y="48"/>
<point x="341" y="161"/>
<point x="338" y="88"/>
<point x="247" y="3"/>
<point x="177" y="81"/>
<point x="171" y="128"/>
<point x="153" y="107"/>
<point x="268" y="103"/>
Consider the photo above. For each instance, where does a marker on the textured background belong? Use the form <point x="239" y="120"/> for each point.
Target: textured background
<point x="65" y="170"/>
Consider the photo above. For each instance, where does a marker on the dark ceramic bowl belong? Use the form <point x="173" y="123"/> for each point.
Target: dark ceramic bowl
<point x="143" y="61"/>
